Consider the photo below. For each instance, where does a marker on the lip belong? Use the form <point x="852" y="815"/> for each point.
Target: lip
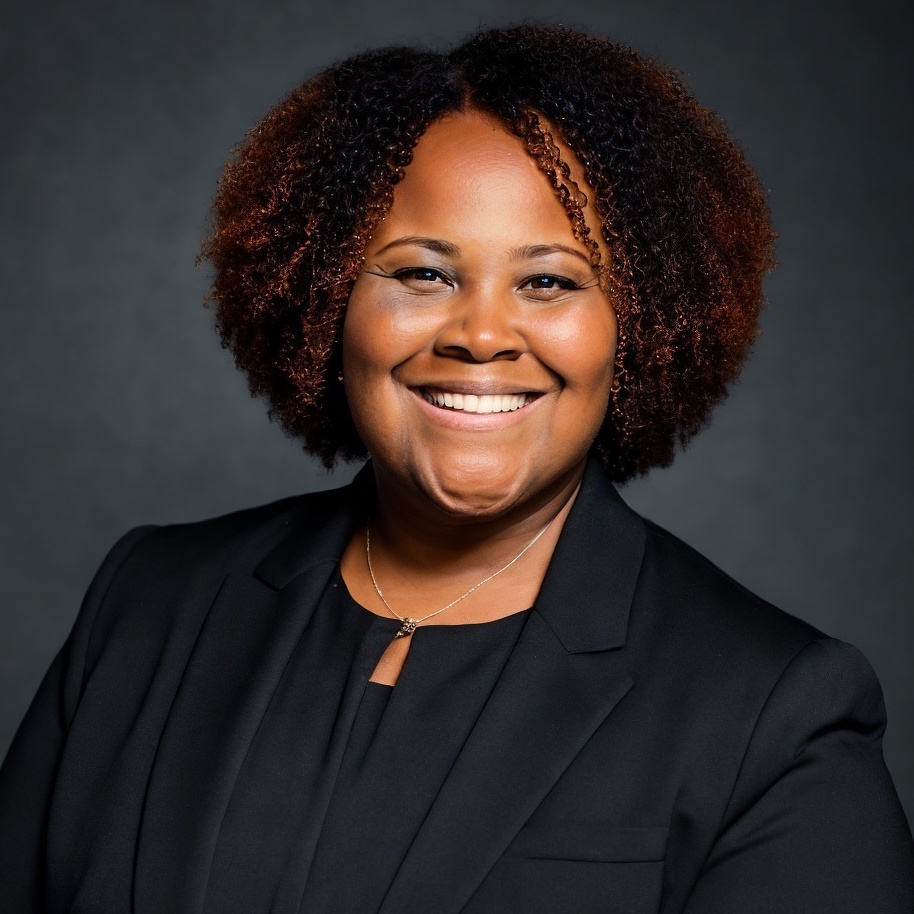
<point x="478" y="386"/>
<point x="456" y="418"/>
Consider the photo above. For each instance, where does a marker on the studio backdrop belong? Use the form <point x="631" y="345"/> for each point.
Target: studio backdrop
<point x="120" y="408"/>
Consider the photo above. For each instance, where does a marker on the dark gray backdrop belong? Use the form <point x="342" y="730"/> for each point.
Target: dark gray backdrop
<point x="120" y="408"/>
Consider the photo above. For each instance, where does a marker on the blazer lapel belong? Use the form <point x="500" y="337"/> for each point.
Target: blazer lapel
<point x="252" y="627"/>
<point x="546" y="706"/>
<point x="565" y="676"/>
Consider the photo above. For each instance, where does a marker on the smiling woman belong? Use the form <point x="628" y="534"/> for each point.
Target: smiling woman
<point x="475" y="287"/>
<point x="474" y="680"/>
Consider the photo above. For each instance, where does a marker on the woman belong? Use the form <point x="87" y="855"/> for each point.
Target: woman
<point x="474" y="680"/>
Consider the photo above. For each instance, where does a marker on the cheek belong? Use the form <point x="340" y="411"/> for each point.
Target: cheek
<point x="379" y="335"/>
<point x="366" y="366"/>
<point x="360" y="344"/>
<point x="583" y="350"/>
<point x="377" y="340"/>
<point x="365" y="333"/>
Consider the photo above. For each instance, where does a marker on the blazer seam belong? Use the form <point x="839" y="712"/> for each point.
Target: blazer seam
<point x="749" y="741"/>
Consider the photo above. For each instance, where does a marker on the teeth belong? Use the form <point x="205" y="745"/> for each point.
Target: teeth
<point x="471" y="403"/>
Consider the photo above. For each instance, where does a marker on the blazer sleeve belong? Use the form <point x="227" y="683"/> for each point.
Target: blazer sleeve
<point x="29" y="772"/>
<point x="814" y="825"/>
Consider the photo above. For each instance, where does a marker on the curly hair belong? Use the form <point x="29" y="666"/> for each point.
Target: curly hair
<point x="682" y="212"/>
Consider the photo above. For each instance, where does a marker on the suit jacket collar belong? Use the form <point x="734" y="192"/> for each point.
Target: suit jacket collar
<point x="318" y="531"/>
<point x="588" y="588"/>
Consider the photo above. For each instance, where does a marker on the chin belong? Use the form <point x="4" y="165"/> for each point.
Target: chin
<point x="483" y="487"/>
<point x="477" y="487"/>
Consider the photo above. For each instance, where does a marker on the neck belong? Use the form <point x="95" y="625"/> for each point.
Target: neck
<point x="424" y="556"/>
<point x="418" y="534"/>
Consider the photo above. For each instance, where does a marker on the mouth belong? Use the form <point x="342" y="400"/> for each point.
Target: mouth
<point x="479" y="404"/>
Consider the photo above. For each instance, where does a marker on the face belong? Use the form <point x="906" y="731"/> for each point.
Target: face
<point x="478" y="345"/>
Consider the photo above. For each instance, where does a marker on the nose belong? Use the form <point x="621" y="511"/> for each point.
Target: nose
<point x="482" y="327"/>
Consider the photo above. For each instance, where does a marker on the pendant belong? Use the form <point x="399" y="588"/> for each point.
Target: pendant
<point x="407" y="628"/>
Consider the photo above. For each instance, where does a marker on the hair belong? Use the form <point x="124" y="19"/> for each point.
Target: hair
<point x="683" y="218"/>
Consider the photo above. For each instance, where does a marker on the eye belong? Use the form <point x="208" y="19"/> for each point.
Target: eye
<point x="550" y="282"/>
<point x="422" y="279"/>
<point x="547" y="286"/>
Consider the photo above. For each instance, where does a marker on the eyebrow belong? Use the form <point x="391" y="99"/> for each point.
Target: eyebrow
<point x="530" y="251"/>
<point x="446" y="249"/>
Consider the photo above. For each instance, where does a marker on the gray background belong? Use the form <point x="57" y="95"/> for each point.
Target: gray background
<point x="119" y="407"/>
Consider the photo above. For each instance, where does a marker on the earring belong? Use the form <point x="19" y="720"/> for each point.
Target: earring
<point x="339" y="377"/>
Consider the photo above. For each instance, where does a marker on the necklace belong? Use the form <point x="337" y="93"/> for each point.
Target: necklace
<point x="409" y="624"/>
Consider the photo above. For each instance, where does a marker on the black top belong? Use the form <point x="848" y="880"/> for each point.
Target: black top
<point x="348" y="768"/>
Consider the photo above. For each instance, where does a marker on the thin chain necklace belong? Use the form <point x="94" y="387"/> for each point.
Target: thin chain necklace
<point x="409" y="624"/>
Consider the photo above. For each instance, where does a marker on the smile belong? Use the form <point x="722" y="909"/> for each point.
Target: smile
<point x="477" y="403"/>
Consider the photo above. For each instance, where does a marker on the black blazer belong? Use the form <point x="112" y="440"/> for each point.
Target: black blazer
<point x="660" y="740"/>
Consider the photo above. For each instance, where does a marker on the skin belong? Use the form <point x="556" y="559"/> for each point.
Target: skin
<point x="473" y="285"/>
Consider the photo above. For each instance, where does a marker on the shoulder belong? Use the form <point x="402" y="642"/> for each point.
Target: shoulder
<point x="718" y="634"/>
<point x="157" y="582"/>
<point x="236" y="541"/>
<point x="247" y="535"/>
<point x="685" y="598"/>
<point x="736" y="669"/>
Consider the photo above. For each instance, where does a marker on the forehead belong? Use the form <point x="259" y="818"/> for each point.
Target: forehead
<point x="471" y="139"/>
<point x="468" y="167"/>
